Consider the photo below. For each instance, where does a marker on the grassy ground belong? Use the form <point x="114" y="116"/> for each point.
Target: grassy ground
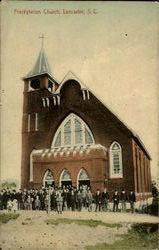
<point x="4" y="218"/>
<point x="141" y="236"/>
<point x="90" y="223"/>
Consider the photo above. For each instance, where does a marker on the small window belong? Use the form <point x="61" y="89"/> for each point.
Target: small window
<point x="35" y="84"/>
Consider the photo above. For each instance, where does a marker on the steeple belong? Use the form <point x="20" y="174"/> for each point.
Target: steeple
<point x="40" y="76"/>
<point x="41" y="66"/>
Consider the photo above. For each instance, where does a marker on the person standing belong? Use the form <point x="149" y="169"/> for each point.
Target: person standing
<point x="123" y="199"/>
<point x="75" y="197"/>
<point x="73" y="202"/>
<point x="115" y="201"/>
<point x="105" y="199"/>
<point x="37" y="203"/>
<point x="9" y="205"/>
<point x="68" y="198"/>
<point x="89" y="199"/>
<point x="59" y="200"/>
<point x="14" y="205"/>
<point x="79" y="200"/>
<point x="64" y="194"/>
<point x="53" y="200"/>
<point x="1" y="200"/>
<point x="98" y="200"/>
<point x="46" y="202"/>
<point x="29" y="202"/>
<point x="84" y="192"/>
<point x="132" y="200"/>
<point x="6" y="198"/>
<point x="19" y="199"/>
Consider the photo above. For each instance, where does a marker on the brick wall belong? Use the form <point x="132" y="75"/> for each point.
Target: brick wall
<point x="105" y="127"/>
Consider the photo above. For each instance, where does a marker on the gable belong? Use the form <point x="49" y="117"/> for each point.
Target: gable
<point x="101" y="111"/>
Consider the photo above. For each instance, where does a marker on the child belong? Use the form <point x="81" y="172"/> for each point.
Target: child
<point x="93" y="206"/>
<point x="9" y="205"/>
<point x="14" y="205"/>
<point x="37" y="203"/>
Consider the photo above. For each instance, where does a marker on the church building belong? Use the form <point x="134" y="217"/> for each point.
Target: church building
<point x="69" y="137"/>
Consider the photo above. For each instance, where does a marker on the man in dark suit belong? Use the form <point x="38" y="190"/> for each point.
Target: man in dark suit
<point x="105" y="199"/>
<point x="98" y="200"/>
<point x="132" y="199"/>
<point x="115" y="201"/>
<point x="123" y="199"/>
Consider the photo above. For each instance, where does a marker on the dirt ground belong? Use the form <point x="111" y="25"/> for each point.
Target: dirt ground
<point x="30" y="231"/>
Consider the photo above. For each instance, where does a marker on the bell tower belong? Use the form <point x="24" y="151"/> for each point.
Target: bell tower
<point x="40" y="76"/>
<point x="39" y="87"/>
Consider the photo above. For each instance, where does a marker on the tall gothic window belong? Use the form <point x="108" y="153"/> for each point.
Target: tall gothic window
<point x="115" y="156"/>
<point x="73" y="131"/>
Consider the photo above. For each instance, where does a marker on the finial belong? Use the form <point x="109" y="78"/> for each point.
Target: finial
<point x="42" y="40"/>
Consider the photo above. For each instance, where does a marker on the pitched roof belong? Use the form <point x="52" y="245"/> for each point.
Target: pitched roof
<point x="71" y="75"/>
<point x="41" y="66"/>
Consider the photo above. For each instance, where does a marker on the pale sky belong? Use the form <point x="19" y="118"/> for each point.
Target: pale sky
<point x="114" y="52"/>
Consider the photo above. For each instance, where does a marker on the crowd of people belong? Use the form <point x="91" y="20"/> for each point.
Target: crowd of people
<point x="64" y="198"/>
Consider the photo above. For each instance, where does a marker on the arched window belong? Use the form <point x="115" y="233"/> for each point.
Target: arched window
<point x="83" y="179"/>
<point x="73" y="131"/>
<point x="65" y="178"/>
<point x="83" y="175"/>
<point x="48" y="179"/>
<point x="115" y="154"/>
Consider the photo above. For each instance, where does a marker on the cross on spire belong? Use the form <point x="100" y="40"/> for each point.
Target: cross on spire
<point x="41" y="66"/>
<point x="42" y="40"/>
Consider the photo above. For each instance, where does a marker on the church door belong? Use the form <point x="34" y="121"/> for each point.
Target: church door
<point x="48" y="179"/>
<point x="65" y="179"/>
<point x="83" y="179"/>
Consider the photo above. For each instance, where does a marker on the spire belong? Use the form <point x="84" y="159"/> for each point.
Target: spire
<point x="41" y="66"/>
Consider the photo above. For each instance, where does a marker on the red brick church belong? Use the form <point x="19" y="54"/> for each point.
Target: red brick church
<point x="70" y="137"/>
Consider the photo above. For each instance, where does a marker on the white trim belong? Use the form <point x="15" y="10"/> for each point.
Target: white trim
<point x="88" y="96"/>
<point x="36" y="121"/>
<point x="31" y="165"/>
<point x="44" y="103"/>
<point x="112" y="174"/>
<point x="70" y="76"/>
<point x="53" y="87"/>
<point x="58" y="100"/>
<point x="84" y="95"/>
<point x="47" y="101"/>
<point x="28" y="125"/>
<point x="29" y="86"/>
<point x="72" y="117"/>
<point x="54" y="100"/>
<point x="38" y="151"/>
